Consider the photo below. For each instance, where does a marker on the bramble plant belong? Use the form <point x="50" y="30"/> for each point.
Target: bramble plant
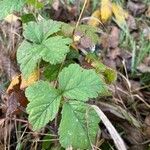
<point x="75" y="86"/>
<point x="66" y="86"/>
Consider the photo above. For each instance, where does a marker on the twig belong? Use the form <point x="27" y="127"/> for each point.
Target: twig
<point x="77" y="24"/>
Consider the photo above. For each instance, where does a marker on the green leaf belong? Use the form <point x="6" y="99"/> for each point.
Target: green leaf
<point x="51" y="72"/>
<point x="35" y="3"/>
<point x="44" y="104"/>
<point x="80" y="84"/>
<point x="55" y="49"/>
<point x="79" y="125"/>
<point x="110" y="75"/>
<point x="25" y="18"/>
<point x="47" y="141"/>
<point x="52" y="49"/>
<point x="37" y="32"/>
<point x="9" y="6"/>
<point x="28" y="56"/>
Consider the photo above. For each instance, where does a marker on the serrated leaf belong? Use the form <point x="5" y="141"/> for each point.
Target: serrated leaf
<point x="52" y="49"/>
<point x="79" y="125"/>
<point x="8" y="6"/>
<point x="81" y="84"/>
<point x="28" y="56"/>
<point x="37" y="32"/>
<point x="44" y="104"/>
<point x="55" y="49"/>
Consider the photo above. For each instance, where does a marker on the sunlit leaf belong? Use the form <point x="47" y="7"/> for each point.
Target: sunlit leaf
<point x="95" y="18"/>
<point x="119" y="13"/>
<point x="106" y="10"/>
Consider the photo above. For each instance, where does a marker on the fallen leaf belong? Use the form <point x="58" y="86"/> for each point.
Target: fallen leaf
<point x="95" y="18"/>
<point x="12" y="18"/>
<point x="119" y="13"/>
<point x="105" y="10"/>
<point x="113" y="53"/>
<point x="136" y="8"/>
<point x="2" y="122"/>
<point x="114" y="37"/>
<point x="77" y="36"/>
<point x="15" y="81"/>
<point x="131" y="23"/>
<point x="143" y="68"/>
<point x="148" y="12"/>
<point x="31" y="79"/>
<point x="146" y="32"/>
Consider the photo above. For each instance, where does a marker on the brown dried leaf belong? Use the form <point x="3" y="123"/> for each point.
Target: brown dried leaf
<point x="131" y="23"/>
<point x="143" y="68"/>
<point x="114" y="37"/>
<point x="136" y="8"/>
<point x="148" y="12"/>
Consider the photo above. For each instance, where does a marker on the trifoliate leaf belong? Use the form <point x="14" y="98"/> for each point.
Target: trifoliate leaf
<point x="105" y="10"/>
<point x="44" y="104"/>
<point x="8" y="6"/>
<point x="52" y="49"/>
<point x="37" y="32"/>
<point x="79" y="125"/>
<point x="81" y="84"/>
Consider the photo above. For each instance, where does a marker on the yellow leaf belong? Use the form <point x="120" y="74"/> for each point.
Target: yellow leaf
<point x="95" y="18"/>
<point x="106" y="10"/>
<point x="76" y="38"/>
<point x="15" y="81"/>
<point x="31" y="79"/>
<point x="119" y="13"/>
<point x="11" y="18"/>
